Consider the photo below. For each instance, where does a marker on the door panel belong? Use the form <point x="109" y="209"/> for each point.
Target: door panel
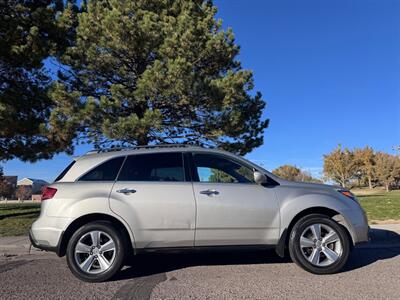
<point x="152" y="195"/>
<point x="160" y="214"/>
<point x="241" y="214"/>
<point x="231" y="208"/>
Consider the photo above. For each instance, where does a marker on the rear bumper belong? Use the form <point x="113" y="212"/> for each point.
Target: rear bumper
<point x="46" y="233"/>
<point x="50" y="248"/>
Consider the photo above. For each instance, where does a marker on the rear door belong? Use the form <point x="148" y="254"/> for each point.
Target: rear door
<point x="152" y="194"/>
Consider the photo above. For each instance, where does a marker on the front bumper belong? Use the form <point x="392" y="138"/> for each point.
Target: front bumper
<point x="357" y="224"/>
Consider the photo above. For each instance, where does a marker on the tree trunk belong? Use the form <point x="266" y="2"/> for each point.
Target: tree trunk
<point x="370" y="183"/>
<point x="387" y="187"/>
<point x="143" y="141"/>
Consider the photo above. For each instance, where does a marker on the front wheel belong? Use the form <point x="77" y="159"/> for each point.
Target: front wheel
<point x="319" y="245"/>
<point x="95" y="252"/>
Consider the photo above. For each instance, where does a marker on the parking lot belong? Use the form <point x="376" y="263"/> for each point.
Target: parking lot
<point x="372" y="273"/>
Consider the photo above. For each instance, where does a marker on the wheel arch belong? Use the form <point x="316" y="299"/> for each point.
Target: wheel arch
<point x="335" y="215"/>
<point x="85" y="219"/>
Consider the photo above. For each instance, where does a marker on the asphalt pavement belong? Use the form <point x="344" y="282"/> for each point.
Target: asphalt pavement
<point x="373" y="272"/>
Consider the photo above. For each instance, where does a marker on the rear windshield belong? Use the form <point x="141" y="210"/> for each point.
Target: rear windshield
<point x="62" y="174"/>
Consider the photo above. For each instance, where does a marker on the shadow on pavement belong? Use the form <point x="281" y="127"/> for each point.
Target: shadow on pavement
<point x="384" y="245"/>
<point x="155" y="263"/>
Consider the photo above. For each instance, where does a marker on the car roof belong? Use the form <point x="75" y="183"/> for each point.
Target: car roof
<point x="115" y="152"/>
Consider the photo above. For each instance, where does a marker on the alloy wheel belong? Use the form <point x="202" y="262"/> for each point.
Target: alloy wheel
<point x="320" y="245"/>
<point x="95" y="252"/>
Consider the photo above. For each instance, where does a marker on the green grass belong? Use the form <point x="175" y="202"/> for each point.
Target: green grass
<point x="15" y="219"/>
<point x="381" y="206"/>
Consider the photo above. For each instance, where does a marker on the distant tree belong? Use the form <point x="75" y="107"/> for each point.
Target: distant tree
<point x="220" y="176"/>
<point x="5" y="187"/>
<point x="161" y="71"/>
<point x="31" y="32"/>
<point x="294" y="173"/>
<point x="387" y="169"/>
<point x="287" y="172"/>
<point x="340" y="166"/>
<point x="307" y="177"/>
<point x="365" y="160"/>
<point x="23" y="192"/>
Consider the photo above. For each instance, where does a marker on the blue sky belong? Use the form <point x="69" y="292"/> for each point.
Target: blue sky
<point x="328" y="70"/>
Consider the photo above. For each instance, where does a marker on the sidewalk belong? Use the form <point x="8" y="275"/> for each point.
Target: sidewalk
<point x="383" y="235"/>
<point x="16" y="245"/>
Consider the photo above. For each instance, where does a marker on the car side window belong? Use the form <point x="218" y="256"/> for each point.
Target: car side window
<point x="215" y="168"/>
<point x="107" y="171"/>
<point x="153" y="167"/>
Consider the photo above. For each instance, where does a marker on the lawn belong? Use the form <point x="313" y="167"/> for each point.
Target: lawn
<point x="15" y="219"/>
<point x="380" y="205"/>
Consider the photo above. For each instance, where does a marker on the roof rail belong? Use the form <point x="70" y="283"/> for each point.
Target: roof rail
<point x="112" y="149"/>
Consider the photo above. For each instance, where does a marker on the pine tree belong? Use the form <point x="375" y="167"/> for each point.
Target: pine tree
<point x="30" y="33"/>
<point x="160" y="71"/>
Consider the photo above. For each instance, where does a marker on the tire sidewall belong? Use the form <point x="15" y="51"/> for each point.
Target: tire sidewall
<point x="119" y="252"/>
<point x="296" y="252"/>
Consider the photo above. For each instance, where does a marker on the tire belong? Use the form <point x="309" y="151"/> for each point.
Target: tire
<point x="97" y="265"/>
<point x="326" y="256"/>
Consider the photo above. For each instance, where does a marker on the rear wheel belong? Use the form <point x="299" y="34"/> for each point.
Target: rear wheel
<point x="95" y="252"/>
<point x="319" y="245"/>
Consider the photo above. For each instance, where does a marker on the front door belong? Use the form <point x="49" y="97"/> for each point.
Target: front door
<point x="153" y="196"/>
<point x="231" y="208"/>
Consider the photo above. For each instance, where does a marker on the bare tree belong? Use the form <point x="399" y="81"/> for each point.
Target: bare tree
<point x="294" y="173"/>
<point x="340" y="166"/>
<point x="387" y="169"/>
<point x="365" y="160"/>
<point x="24" y="192"/>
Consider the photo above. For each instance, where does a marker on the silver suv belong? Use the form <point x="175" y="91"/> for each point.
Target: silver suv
<point x="108" y="205"/>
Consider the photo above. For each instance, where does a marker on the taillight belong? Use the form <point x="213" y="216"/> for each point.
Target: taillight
<point x="48" y="193"/>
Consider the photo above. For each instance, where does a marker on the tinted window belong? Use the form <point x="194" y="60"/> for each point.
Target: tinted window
<point x="62" y="174"/>
<point x="153" y="167"/>
<point x="214" y="168"/>
<point x="107" y="171"/>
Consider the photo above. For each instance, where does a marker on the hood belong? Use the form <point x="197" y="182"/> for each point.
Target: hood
<point x="318" y="186"/>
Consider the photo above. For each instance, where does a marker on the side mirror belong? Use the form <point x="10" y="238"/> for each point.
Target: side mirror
<point x="259" y="177"/>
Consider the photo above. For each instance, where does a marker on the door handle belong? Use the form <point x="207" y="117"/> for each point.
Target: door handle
<point x="209" y="192"/>
<point x="126" y="191"/>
